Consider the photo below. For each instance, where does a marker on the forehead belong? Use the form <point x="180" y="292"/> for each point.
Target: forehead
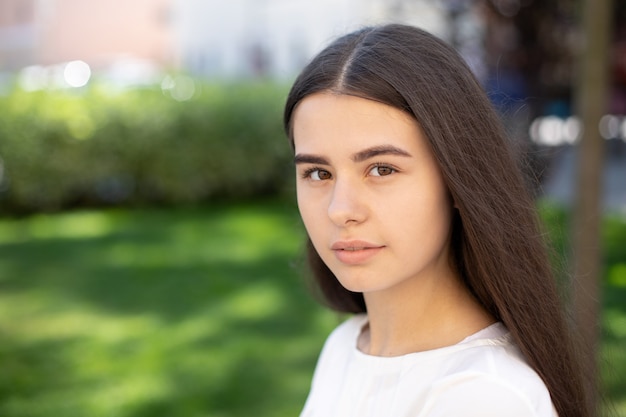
<point x="332" y="122"/>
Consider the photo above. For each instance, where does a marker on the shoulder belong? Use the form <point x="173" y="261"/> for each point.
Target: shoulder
<point x="338" y="348"/>
<point x="489" y="377"/>
<point x="332" y="362"/>
<point x="484" y="395"/>
<point x="342" y="340"/>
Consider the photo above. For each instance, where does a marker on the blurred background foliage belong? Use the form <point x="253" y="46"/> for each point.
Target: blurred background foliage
<point x="63" y="148"/>
<point x="153" y="312"/>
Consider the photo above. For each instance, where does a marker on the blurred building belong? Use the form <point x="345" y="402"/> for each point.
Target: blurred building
<point x="17" y="33"/>
<point x="276" y="37"/>
<point x="116" y="36"/>
<point x="209" y="38"/>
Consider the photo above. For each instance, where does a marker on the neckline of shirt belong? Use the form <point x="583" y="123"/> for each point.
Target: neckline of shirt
<point x="495" y="334"/>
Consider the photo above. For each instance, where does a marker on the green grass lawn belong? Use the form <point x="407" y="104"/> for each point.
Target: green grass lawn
<point x="184" y="312"/>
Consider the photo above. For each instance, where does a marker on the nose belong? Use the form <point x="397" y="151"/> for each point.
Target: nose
<point x="346" y="205"/>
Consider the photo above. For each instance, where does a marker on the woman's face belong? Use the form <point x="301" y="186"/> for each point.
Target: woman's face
<point x="370" y="192"/>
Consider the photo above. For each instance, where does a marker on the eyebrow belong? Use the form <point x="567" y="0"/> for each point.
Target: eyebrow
<point x="360" y="156"/>
<point x="377" y="151"/>
<point x="310" y="159"/>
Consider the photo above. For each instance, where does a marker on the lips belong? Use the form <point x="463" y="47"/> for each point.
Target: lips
<point x="353" y="245"/>
<point x="355" y="252"/>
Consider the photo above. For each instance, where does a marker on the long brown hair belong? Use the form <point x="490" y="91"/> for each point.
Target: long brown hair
<point x="497" y="243"/>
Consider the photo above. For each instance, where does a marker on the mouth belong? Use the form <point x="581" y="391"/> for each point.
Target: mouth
<point x="354" y="245"/>
<point x="355" y="252"/>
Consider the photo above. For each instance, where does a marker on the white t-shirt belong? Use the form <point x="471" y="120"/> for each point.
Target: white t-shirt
<point x="484" y="375"/>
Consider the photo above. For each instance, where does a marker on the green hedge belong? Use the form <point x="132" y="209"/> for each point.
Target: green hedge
<point x="101" y="146"/>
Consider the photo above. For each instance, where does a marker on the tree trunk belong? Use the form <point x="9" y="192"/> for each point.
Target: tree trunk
<point x="592" y="100"/>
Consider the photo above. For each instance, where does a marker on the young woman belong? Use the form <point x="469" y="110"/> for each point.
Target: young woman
<point x="419" y="221"/>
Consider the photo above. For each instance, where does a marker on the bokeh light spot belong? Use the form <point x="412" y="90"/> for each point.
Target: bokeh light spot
<point x="77" y="73"/>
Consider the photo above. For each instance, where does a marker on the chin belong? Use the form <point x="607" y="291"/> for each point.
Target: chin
<point x="360" y="284"/>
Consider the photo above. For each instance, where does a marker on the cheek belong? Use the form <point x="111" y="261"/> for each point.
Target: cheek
<point x="422" y="215"/>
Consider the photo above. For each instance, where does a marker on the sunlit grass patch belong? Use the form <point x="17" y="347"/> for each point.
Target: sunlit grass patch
<point x="66" y="226"/>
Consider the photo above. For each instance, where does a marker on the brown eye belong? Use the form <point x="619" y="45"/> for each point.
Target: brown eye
<point x="317" y="174"/>
<point x="381" y="171"/>
<point x="323" y="175"/>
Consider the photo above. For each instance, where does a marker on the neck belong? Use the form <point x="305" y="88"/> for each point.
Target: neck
<point x="422" y="314"/>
